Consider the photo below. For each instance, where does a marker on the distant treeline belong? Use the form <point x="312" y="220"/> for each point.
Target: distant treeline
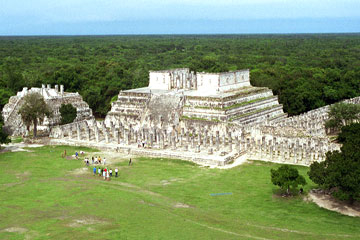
<point x="305" y="71"/>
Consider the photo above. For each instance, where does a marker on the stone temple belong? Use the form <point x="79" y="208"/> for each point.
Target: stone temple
<point x="208" y="118"/>
<point x="180" y="96"/>
<point x="54" y="98"/>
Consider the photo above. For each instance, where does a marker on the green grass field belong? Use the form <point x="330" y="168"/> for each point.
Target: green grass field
<point x="43" y="196"/>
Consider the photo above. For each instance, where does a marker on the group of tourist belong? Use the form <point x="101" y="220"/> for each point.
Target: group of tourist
<point x="95" y="160"/>
<point x="105" y="172"/>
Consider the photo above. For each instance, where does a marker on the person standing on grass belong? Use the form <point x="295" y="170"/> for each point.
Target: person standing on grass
<point x="92" y="160"/>
<point x="130" y="162"/>
<point x="104" y="174"/>
<point x="99" y="171"/>
<point x="107" y="176"/>
<point x="104" y="160"/>
<point x="110" y="172"/>
<point x="116" y="172"/>
<point x="94" y="170"/>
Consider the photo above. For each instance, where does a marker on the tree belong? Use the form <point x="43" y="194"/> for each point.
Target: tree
<point x="3" y="136"/>
<point x="287" y="178"/>
<point x="68" y="113"/>
<point x="340" y="172"/>
<point x="342" y="114"/>
<point x="34" y="110"/>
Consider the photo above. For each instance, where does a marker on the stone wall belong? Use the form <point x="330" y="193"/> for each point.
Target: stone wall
<point x="54" y="98"/>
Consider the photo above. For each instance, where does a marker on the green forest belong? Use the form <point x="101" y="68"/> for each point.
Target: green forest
<point x="306" y="71"/>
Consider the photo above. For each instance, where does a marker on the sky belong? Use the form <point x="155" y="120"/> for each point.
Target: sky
<point x="93" y="17"/>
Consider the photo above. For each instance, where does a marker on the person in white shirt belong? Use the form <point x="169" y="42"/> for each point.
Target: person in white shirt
<point x="116" y="172"/>
<point x="104" y="160"/>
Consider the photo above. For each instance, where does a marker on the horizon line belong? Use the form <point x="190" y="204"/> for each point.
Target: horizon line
<point x="179" y="34"/>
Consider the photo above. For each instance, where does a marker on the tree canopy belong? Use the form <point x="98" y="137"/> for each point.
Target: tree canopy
<point x="306" y="71"/>
<point x="68" y="113"/>
<point x="34" y="110"/>
<point x="341" y="114"/>
<point x="340" y="172"/>
<point x="287" y="178"/>
<point x="3" y="136"/>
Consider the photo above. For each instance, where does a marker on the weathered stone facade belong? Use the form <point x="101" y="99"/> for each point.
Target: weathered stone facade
<point x="177" y="97"/>
<point x="177" y="120"/>
<point x="54" y="97"/>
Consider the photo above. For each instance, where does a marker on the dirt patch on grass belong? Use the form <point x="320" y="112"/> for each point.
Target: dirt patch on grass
<point x="181" y="205"/>
<point x="111" y="157"/>
<point x="15" y="229"/>
<point x="80" y="171"/>
<point x="18" y="147"/>
<point x="85" y="221"/>
<point x="328" y="202"/>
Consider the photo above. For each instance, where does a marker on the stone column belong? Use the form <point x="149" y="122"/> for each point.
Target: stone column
<point x="230" y="142"/>
<point x="173" y="142"/>
<point x="61" y="132"/>
<point x="169" y="139"/>
<point x="151" y="140"/>
<point x="211" y="140"/>
<point x="217" y="140"/>
<point x="181" y="140"/>
<point x="192" y="142"/>
<point x="205" y="139"/>
<point x="117" y="136"/>
<point x="107" y="140"/>
<point x="158" y="137"/>
<point x="124" y="132"/>
<point x="237" y="144"/>
<point x="70" y="132"/>
<point x="78" y="132"/>
<point x="197" y="148"/>
<point x="97" y="137"/>
<point x="88" y="134"/>
<point x="199" y="138"/>
<point x="127" y="139"/>
<point x="113" y="129"/>
<point x="162" y="144"/>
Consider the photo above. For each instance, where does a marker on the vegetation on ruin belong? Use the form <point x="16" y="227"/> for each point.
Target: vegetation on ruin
<point x="246" y="103"/>
<point x="252" y="112"/>
<point x="3" y="136"/>
<point x="194" y="118"/>
<point x="34" y="110"/>
<point x="340" y="172"/>
<point x="342" y="114"/>
<point x="44" y="196"/>
<point x="306" y="71"/>
<point x="68" y="113"/>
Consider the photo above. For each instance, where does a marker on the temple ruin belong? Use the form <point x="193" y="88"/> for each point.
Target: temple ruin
<point x="54" y="97"/>
<point x="207" y="118"/>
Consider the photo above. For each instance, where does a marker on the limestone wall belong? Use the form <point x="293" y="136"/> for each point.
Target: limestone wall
<point x="54" y="98"/>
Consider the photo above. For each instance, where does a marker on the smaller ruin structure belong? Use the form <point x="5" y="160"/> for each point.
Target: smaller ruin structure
<point x="54" y="97"/>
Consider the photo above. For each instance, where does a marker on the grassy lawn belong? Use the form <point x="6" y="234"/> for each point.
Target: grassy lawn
<point x="43" y="196"/>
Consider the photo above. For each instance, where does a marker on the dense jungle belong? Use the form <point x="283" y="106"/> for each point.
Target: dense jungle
<point x="306" y="71"/>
